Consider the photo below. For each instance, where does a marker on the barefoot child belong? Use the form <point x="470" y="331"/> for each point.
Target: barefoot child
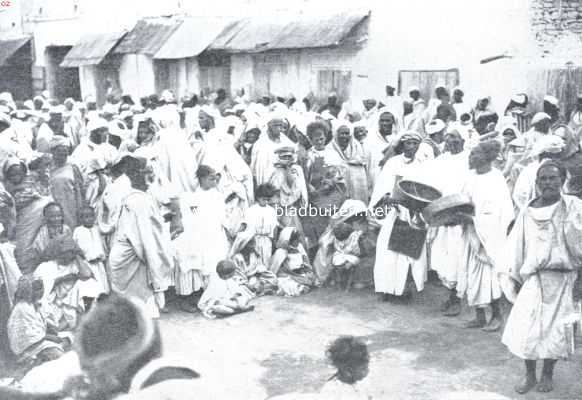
<point x="253" y="274"/>
<point x="89" y="239"/>
<point x="225" y="294"/>
<point x="31" y="339"/>
<point x="346" y="256"/>
<point x="261" y="218"/>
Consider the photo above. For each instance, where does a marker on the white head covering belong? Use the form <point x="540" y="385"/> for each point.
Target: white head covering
<point x="338" y="123"/>
<point x="540" y="116"/>
<point x="548" y="144"/>
<point x="96" y="123"/>
<point x="168" y="96"/>
<point x="384" y="110"/>
<point x="551" y="100"/>
<point x="435" y="126"/>
<point x="413" y="88"/>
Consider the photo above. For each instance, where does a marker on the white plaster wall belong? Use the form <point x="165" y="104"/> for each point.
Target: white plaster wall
<point x="136" y="75"/>
<point x="87" y="78"/>
<point x="241" y="75"/>
<point x="439" y="34"/>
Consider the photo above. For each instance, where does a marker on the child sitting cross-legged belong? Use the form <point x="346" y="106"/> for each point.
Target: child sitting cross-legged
<point x="225" y="294"/>
<point x="346" y="255"/>
<point x="32" y="339"/>
<point x="249" y="267"/>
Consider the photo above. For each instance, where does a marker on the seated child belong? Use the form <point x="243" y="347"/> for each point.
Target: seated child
<point x="31" y="339"/>
<point x="62" y="276"/>
<point x="90" y="241"/>
<point x="249" y="267"/>
<point x="346" y="255"/>
<point x="290" y="263"/>
<point x="225" y="294"/>
<point x="261" y="219"/>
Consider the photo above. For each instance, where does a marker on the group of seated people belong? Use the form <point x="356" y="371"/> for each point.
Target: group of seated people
<point x="212" y="206"/>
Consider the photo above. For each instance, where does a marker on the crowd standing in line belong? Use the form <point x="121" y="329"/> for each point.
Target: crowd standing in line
<point x="211" y="202"/>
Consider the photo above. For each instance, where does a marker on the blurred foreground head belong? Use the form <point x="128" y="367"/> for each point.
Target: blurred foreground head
<point x="115" y="340"/>
<point x="351" y="358"/>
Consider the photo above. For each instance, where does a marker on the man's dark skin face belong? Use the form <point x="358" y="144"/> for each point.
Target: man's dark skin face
<point x="386" y="124"/>
<point x="343" y="137"/>
<point x="543" y="126"/>
<point x="332" y="100"/>
<point x="414" y="95"/>
<point x="454" y="144"/>
<point x="56" y="123"/>
<point x="97" y="136"/>
<point x="410" y="147"/>
<point x="128" y="122"/>
<point x="390" y="90"/>
<point x="369" y="104"/>
<point x="441" y="92"/>
<point x="549" y="182"/>
<point x="137" y="172"/>
<point x="275" y="128"/>
<point x="482" y="104"/>
<point x="458" y="96"/>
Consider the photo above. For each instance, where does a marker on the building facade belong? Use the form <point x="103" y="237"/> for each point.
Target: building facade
<point x="493" y="48"/>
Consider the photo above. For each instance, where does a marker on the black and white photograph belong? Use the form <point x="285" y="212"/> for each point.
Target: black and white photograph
<point x="290" y="199"/>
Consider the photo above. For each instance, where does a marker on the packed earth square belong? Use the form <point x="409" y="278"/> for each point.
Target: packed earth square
<point x="252" y="244"/>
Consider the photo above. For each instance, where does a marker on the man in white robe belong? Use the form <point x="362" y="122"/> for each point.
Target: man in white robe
<point x="141" y="260"/>
<point x="379" y="140"/>
<point x="484" y="235"/>
<point x="391" y="268"/>
<point x="448" y="173"/>
<point x="543" y="257"/>
<point x="263" y="157"/>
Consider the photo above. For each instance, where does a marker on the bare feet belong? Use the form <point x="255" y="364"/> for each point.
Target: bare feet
<point x="453" y="310"/>
<point x="494" y="325"/>
<point x="188" y="307"/>
<point x="528" y="383"/>
<point x="446" y="305"/>
<point x="386" y="297"/>
<point x="474" y="324"/>
<point x="546" y="384"/>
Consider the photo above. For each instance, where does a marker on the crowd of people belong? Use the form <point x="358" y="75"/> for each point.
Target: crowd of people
<point x="212" y="202"/>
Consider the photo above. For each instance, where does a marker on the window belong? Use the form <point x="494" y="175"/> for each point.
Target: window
<point x="426" y="80"/>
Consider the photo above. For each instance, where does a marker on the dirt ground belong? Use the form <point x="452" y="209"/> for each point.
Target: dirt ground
<point x="415" y="352"/>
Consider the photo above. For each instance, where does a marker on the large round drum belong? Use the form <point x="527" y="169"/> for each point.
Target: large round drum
<point x="449" y="210"/>
<point x="414" y="195"/>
